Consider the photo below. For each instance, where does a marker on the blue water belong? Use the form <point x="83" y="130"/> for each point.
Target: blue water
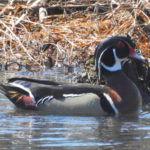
<point x="29" y="130"/>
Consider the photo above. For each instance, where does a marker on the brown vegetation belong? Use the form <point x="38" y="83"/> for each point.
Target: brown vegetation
<point x="72" y="30"/>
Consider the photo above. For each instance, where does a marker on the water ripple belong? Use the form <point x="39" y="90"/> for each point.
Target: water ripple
<point x="21" y="129"/>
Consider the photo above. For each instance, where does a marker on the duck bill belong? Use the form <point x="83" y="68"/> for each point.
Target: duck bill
<point x="135" y="55"/>
<point x="138" y="57"/>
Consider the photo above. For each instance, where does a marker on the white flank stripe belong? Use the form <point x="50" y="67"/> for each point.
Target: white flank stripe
<point x="25" y="89"/>
<point x="73" y="95"/>
<point x="111" y="103"/>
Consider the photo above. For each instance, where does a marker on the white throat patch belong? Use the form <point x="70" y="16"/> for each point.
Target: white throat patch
<point x="116" y="66"/>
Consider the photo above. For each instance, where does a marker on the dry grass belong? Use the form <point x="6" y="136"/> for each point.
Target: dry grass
<point x="73" y="37"/>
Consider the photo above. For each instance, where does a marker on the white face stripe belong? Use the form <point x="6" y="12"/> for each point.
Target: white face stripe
<point x="99" y="63"/>
<point x="116" y="66"/>
<point x="111" y="103"/>
<point x="25" y="89"/>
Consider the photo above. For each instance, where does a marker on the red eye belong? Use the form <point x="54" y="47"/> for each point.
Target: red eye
<point x="132" y="52"/>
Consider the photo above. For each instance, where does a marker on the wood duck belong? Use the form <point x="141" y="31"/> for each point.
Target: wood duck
<point x="61" y="99"/>
<point x="110" y="56"/>
<point x="135" y="68"/>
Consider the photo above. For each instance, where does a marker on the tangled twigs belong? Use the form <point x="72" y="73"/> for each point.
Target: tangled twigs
<point x="15" y="37"/>
<point x="73" y="35"/>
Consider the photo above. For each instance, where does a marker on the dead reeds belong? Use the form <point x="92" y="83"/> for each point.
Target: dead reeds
<point x="34" y="37"/>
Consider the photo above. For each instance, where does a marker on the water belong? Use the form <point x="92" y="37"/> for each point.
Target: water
<point x="28" y="130"/>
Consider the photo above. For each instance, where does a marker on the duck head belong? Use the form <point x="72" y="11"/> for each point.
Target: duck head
<point x="114" y="52"/>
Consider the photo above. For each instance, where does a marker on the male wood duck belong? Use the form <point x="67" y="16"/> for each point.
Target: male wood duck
<point x="135" y="68"/>
<point x="120" y="96"/>
<point x="110" y="57"/>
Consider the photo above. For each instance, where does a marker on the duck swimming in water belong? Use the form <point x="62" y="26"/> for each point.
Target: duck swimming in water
<point x="120" y="96"/>
<point x="64" y="99"/>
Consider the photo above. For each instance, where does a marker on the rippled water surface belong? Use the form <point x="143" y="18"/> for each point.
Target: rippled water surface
<point x="25" y="130"/>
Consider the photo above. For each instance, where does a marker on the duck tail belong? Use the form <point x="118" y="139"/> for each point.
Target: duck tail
<point x="18" y="96"/>
<point x="4" y="89"/>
